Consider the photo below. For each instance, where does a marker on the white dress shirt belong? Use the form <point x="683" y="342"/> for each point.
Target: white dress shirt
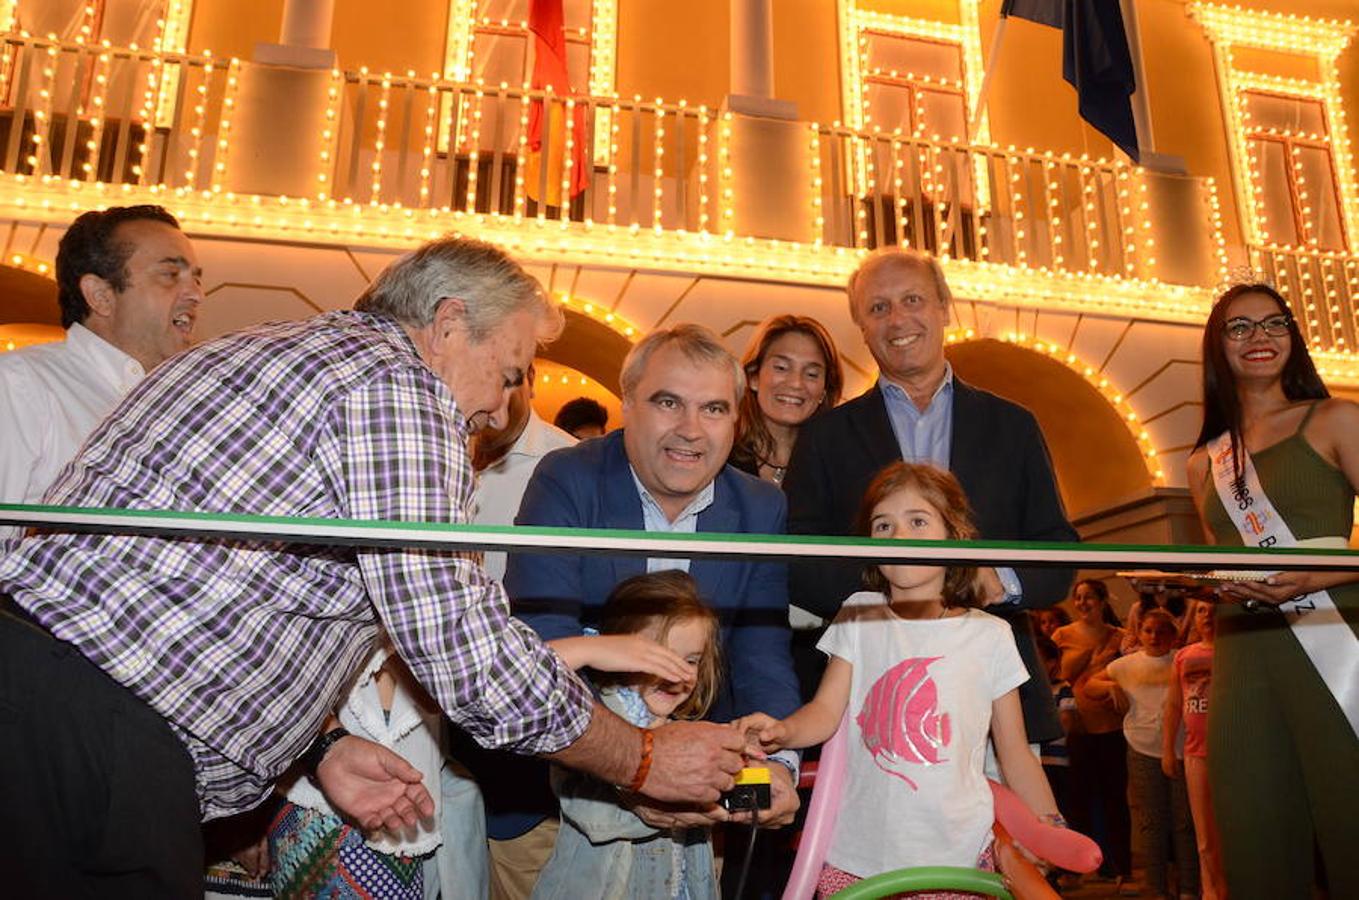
<point x="51" y="397"/>
<point x="500" y="486"/>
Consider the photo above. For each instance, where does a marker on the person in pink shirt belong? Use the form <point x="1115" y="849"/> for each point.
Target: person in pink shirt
<point x="1188" y="702"/>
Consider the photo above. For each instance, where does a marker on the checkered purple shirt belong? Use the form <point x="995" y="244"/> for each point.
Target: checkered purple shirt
<point x="244" y="648"/>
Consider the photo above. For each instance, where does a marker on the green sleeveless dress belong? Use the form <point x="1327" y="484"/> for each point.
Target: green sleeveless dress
<point x="1283" y="760"/>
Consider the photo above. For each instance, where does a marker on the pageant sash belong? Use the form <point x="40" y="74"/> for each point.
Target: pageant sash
<point x="1315" y="621"/>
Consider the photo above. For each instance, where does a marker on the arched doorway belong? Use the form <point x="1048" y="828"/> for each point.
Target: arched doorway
<point x="1097" y="459"/>
<point x="585" y="361"/>
<point x="590" y="347"/>
<point x="29" y="314"/>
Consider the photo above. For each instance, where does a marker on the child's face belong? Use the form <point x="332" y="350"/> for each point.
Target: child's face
<point x="1048" y="622"/>
<point x="1203" y="619"/>
<point x="907" y="515"/>
<point x="688" y="638"/>
<point x="1157" y="638"/>
<point x="1088" y="604"/>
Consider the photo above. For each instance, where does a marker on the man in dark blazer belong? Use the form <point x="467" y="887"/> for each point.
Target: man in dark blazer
<point x="666" y="471"/>
<point x="920" y="412"/>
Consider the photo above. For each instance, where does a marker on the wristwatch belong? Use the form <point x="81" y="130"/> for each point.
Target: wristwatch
<point x="311" y="760"/>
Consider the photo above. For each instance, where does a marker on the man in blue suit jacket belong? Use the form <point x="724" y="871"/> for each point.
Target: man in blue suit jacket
<point x="591" y="486"/>
<point x="665" y="472"/>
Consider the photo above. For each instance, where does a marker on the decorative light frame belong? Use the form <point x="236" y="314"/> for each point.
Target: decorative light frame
<point x="603" y="77"/>
<point x="49" y="198"/>
<point x="1323" y="40"/>
<point x="966" y="34"/>
<point x="1092" y="376"/>
<point x="172" y="36"/>
<point x="601" y="314"/>
<point x="854" y="22"/>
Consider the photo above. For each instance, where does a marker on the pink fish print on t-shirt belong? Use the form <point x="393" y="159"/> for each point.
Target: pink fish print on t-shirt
<point x="900" y="719"/>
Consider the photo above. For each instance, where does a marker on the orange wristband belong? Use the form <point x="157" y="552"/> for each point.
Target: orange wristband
<point x="644" y="766"/>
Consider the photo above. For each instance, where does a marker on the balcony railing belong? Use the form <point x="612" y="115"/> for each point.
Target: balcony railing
<point x="1322" y="287"/>
<point x="122" y="115"/>
<point x="983" y="203"/>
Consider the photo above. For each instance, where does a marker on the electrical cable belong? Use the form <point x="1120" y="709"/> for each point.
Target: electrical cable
<point x="750" y="854"/>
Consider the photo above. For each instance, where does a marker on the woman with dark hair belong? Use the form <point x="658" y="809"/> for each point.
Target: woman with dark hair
<point x="1284" y="708"/>
<point x="792" y="372"/>
<point x="1098" y="753"/>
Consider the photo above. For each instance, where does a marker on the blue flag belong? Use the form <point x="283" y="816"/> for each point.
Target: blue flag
<point x="1095" y="61"/>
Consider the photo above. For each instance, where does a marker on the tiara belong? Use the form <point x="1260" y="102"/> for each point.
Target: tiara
<point x="1239" y="275"/>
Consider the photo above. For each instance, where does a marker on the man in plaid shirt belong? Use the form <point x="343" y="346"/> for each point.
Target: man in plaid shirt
<point x="146" y="682"/>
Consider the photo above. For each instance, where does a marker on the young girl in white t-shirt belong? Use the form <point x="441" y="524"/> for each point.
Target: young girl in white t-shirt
<point x="1139" y="683"/>
<point x="925" y="677"/>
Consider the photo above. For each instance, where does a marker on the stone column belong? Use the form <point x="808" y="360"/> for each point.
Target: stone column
<point x="281" y="106"/>
<point x="770" y="158"/>
<point x="752" y="48"/>
<point x="752" y="62"/>
<point x="306" y="23"/>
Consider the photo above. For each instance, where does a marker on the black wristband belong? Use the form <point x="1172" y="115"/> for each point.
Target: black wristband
<point x="311" y="760"/>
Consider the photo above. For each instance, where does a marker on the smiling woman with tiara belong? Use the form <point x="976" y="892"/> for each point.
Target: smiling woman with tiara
<point x="1276" y="464"/>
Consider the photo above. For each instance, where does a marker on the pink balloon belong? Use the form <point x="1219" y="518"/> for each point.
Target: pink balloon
<point x="821" y="815"/>
<point x="1062" y="847"/>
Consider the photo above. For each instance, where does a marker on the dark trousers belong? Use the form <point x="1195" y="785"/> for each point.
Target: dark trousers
<point x="98" y="793"/>
<point x="1099" y="778"/>
<point x="1164" y="827"/>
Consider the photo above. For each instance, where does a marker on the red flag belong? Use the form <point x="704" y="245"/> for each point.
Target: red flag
<point x="546" y="22"/>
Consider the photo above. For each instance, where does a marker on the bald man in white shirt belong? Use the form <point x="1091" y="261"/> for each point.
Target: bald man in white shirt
<point x="129" y="286"/>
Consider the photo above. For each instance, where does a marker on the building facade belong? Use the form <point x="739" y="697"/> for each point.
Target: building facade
<point x="723" y="160"/>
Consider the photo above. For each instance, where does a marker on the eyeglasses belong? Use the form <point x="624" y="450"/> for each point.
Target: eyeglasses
<point x="1243" y="329"/>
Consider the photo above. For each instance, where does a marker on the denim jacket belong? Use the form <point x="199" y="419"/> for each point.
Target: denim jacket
<point x="606" y="851"/>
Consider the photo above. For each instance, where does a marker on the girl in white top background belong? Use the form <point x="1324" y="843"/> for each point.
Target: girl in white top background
<point x="1139" y="684"/>
<point x="925" y="677"/>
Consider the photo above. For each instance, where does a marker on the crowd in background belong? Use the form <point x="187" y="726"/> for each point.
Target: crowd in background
<point x="402" y="725"/>
<point x="1134" y="703"/>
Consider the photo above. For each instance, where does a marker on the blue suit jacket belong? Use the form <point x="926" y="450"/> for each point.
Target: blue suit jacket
<point x="590" y="485"/>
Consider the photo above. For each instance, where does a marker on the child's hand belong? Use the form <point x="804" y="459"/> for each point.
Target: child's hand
<point x="1172" y="767"/>
<point x="254" y="858"/>
<point x="634" y="653"/>
<point x="763" y="733"/>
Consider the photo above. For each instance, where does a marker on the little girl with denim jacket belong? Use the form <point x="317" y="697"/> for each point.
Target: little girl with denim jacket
<point x="604" y="849"/>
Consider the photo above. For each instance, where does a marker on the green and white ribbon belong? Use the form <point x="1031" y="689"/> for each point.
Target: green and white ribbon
<point x="444" y="536"/>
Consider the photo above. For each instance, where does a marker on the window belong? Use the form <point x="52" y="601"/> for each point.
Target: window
<point x="1280" y="84"/>
<point x="1295" y="191"/>
<point x="915" y="85"/>
<point x="917" y="75"/>
<point x="489" y="40"/>
<point x="501" y="46"/>
<point x="911" y="83"/>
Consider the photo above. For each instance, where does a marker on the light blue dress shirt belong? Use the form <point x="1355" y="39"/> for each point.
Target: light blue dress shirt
<point x="926" y="436"/>
<point x="655" y="519"/>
